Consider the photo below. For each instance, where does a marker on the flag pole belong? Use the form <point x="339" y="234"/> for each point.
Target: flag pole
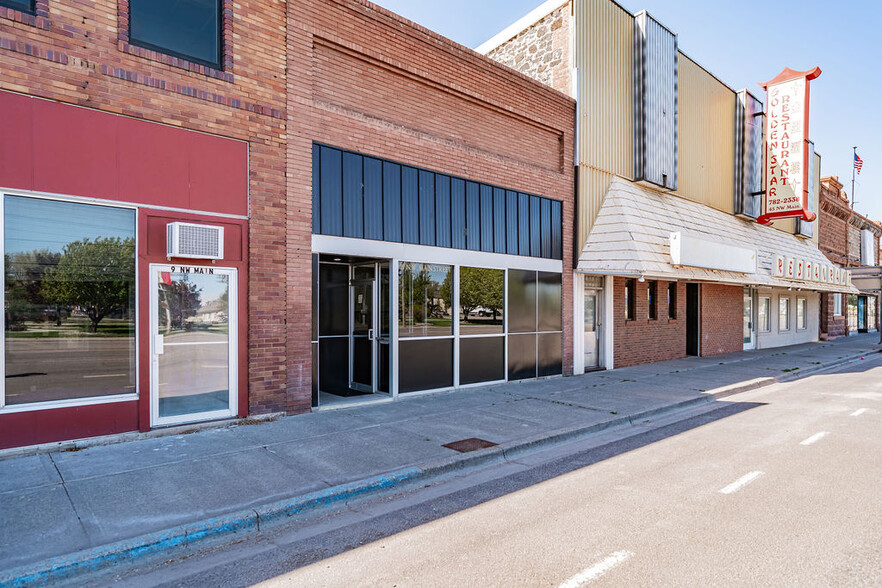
<point x="853" y="159"/>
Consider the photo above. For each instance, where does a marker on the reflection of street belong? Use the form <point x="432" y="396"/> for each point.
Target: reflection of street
<point x="187" y="370"/>
<point x="56" y="369"/>
<point x="195" y="337"/>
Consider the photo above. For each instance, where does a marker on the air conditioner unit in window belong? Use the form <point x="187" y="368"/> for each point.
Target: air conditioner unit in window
<point x="195" y="241"/>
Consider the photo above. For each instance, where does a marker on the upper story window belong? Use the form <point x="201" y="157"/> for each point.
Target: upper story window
<point x="22" y="5"/>
<point x="189" y="29"/>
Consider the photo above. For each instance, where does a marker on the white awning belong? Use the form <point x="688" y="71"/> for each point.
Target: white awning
<point x="632" y="234"/>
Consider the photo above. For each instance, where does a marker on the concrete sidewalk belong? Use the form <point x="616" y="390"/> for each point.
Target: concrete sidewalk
<point x="70" y="511"/>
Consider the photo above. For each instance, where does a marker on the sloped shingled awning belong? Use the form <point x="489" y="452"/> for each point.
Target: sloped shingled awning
<point x="631" y="237"/>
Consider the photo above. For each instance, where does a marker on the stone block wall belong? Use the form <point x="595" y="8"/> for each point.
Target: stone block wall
<point x="542" y="50"/>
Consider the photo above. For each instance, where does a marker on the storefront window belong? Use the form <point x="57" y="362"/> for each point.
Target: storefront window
<point x="801" y="314"/>
<point x="534" y="319"/>
<point x="425" y="300"/>
<point x="69" y="300"/>
<point x="765" y="314"/>
<point x="672" y="300"/>
<point x="871" y="312"/>
<point x="481" y="301"/>
<point x="783" y="314"/>
<point x="651" y="299"/>
<point x="837" y="304"/>
<point x="425" y="326"/>
<point x="852" y="313"/>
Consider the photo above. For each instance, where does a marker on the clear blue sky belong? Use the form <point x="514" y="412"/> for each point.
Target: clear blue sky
<point x="729" y="40"/>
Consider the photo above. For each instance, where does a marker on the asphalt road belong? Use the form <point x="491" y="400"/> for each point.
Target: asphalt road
<point x="779" y="486"/>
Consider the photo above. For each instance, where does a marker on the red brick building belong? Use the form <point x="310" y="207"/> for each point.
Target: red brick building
<point x="158" y="180"/>
<point x="848" y="239"/>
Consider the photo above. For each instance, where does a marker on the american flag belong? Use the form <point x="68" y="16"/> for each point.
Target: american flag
<point x="858" y="163"/>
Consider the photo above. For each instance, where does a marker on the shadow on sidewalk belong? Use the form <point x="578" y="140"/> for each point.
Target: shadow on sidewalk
<point x="378" y="519"/>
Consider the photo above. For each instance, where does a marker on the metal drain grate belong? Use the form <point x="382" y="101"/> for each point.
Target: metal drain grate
<point x="467" y="445"/>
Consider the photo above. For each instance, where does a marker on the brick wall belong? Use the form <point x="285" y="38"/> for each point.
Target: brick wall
<point x="722" y="319"/>
<point x="542" y="50"/>
<point x="831" y="324"/>
<point x="643" y="340"/>
<point x="72" y="52"/>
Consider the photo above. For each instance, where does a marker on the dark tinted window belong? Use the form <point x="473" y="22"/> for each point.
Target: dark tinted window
<point x="672" y="300"/>
<point x="23" y="5"/>
<point x="630" y="299"/>
<point x="651" y="292"/>
<point x="184" y="28"/>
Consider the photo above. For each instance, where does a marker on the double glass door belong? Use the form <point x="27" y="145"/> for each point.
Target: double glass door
<point x="193" y="343"/>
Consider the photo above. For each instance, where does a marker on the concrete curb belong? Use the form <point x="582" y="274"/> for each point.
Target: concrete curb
<point x="250" y="520"/>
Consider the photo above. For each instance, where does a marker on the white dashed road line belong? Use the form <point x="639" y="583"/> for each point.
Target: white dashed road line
<point x="815" y="438"/>
<point x="859" y="412"/>
<point x="597" y="570"/>
<point x="741" y="482"/>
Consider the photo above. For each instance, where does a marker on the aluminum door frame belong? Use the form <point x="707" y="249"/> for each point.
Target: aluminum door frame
<point x="373" y="336"/>
<point x="233" y="349"/>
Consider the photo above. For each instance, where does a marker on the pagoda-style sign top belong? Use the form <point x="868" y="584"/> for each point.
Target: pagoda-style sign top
<point x="787" y="146"/>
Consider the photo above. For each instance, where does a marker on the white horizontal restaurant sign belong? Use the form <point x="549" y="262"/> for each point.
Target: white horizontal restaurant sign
<point x="807" y="271"/>
<point x="695" y="252"/>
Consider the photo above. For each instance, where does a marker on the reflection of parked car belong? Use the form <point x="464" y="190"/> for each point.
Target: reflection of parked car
<point x="481" y="311"/>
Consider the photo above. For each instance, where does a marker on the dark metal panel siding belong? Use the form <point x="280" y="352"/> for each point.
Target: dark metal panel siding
<point x="749" y="147"/>
<point x="511" y="213"/>
<point x="556" y="229"/>
<point x="458" y="213"/>
<point x="410" y="205"/>
<point x="535" y="231"/>
<point x="486" y="218"/>
<point x="373" y="198"/>
<point x="499" y="220"/>
<point x="656" y="101"/>
<point x="332" y="192"/>
<point x="427" y="208"/>
<point x="545" y="227"/>
<point x="442" y="210"/>
<point x="357" y="196"/>
<point x="316" y="190"/>
<point x="353" y="196"/>
<point x="523" y="224"/>
<point x="473" y="216"/>
<point x="804" y="228"/>
<point x="392" y="202"/>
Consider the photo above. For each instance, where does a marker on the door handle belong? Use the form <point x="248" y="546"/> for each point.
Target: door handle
<point x="158" y="344"/>
<point x="370" y="334"/>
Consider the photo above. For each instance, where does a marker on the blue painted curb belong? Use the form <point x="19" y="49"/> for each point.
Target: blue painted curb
<point x="63" y="567"/>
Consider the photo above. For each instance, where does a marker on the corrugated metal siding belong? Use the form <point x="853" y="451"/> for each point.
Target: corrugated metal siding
<point x="749" y="126"/>
<point x="706" y="138"/>
<point x="655" y="102"/>
<point x="358" y="196"/>
<point x="604" y="62"/>
<point x="593" y="185"/>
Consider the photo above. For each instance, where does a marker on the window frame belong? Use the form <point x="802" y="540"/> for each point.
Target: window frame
<point x="781" y="307"/>
<point x="652" y="300"/>
<point x="767" y="326"/>
<point x="85" y="400"/>
<point x="223" y="70"/>
<point x="31" y="9"/>
<point x="802" y="304"/>
<point x="159" y="49"/>
<point x="630" y="299"/>
<point x="672" y="301"/>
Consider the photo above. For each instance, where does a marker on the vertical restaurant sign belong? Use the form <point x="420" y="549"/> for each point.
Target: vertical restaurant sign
<point x="787" y="146"/>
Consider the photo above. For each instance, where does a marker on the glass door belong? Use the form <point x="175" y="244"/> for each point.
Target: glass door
<point x="748" y="329"/>
<point x="592" y="312"/>
<point x="362" y="333"/>
<point x="193" y="343"/>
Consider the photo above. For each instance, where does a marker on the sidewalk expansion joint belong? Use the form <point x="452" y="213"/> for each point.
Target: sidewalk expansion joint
<point x="69" y="499"/>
